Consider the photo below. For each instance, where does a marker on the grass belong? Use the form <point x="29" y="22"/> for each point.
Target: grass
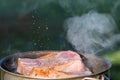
<point x="114" y="57"/>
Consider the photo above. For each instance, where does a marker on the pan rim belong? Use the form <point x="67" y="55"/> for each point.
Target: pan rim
<point x="29" y="77"/>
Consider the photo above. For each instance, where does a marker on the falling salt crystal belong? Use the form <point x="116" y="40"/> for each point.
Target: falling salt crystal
<point x="35" y="43"/>
<point x="39" y="27"/>
<point x="46" y="28"/>
<point x="38" y="40"/>
<point x="41" y="46"/>
<point x="48" y="39"/>
<point x="33" y="16"/>
<point x="33" y="23"/>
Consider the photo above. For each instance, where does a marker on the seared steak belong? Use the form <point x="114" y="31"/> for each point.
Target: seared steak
<point x="60" y="65"/>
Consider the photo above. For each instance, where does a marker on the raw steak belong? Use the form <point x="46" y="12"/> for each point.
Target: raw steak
<point x="60" y="65"/>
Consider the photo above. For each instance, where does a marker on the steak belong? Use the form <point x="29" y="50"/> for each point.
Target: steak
<point x="63" y="64"/>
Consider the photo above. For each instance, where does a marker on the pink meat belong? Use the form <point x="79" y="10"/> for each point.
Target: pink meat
<point x="58" y="65"/>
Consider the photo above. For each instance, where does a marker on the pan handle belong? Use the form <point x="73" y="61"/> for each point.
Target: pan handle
<point x="101" y="77"/>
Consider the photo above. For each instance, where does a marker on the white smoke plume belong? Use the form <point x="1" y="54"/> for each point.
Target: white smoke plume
<point x="91" y="32"/>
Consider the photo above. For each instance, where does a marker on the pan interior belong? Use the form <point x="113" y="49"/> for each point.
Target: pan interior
<point x="97" y="64"/>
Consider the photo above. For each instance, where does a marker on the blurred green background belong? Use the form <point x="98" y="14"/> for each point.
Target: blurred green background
<point x="30" y="25"/>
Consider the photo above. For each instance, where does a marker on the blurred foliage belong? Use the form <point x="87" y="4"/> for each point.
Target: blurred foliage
<point x="114" y="57"/>
<point x="16" y="7"/>
<point x="39" y="29"/>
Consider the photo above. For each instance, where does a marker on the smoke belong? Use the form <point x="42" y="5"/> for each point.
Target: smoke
<point x="21" y="8"/>
<point x="92" y="32"/>
<point x="78" y="7"/>
<point x="116" y="11"/>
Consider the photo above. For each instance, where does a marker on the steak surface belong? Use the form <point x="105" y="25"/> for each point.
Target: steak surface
<point x="63" y="64"/>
